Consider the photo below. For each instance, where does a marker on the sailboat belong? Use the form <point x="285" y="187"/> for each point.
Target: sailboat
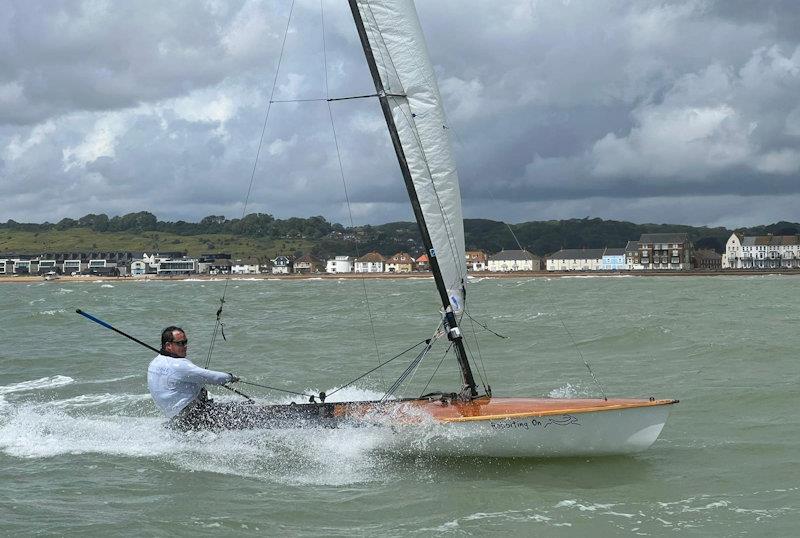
<point x="475" y="423"/>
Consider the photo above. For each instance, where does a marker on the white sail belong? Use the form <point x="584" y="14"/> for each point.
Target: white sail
<point x="398" y="46"/>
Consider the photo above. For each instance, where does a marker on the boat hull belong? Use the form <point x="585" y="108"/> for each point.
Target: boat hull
<point x="601" y="432"/>
<point x="486" y="427"/>
<point x="530" y="427"/>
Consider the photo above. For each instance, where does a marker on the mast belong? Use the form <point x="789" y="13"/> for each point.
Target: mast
<point x="469" y="389"/>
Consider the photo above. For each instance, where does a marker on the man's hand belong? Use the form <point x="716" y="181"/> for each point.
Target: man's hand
<point x="233" y="378"/>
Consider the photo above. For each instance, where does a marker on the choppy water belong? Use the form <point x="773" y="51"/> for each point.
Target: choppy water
<point x="83" y="451"/>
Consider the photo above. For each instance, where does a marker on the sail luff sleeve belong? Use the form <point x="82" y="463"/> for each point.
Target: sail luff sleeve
<point x="396" y="38"/>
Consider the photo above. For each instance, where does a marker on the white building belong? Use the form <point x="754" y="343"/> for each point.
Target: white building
<point x="71" y="266"/>
<point x="138" y="268"/>
<point x="246" y="267"/>
<point x="761" y="252"/>
<point x="177" y="267"/>
<point x="577" y="259"/>
<point x="514" y="260"/>
<point x="340" y="264"/>
<point x="370" y="263"/>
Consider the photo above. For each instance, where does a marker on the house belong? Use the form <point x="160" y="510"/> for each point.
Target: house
<point x="70" y="267"/>
<point x="183" y="266"/>
<point x="514" y="260"/>
<point x="577" y="259"/>
<point x="97" y="264"/>
<point x="282" y="265"/>
<point x="373" y="262"/>
<point x="613" y="260"/>
<point x="762" y="251"/>
<point x="220" y="267"/>
<point x="632" y="256"/>
<point x="672" y="251"/>
<point x="248" y="266"/>
<point x="400" y="263"/>
<point x="476" y="260"/>
<point x="307" y="264"/>
<point x="138" y="268"/>
<point x="732" y="258"/>
<point x="340" y="264"/>
<point x="707" y="259"/>
<point x="423" y="263"/>
<point x="109" y="270"/>
<point x="46" y="266"/>
<point x="22" y="267"/>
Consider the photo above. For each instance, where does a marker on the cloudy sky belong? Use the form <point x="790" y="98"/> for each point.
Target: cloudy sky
<point x="649" y="111"/>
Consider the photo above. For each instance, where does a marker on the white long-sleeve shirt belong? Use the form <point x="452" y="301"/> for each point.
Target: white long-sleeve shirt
<point x="174" y="383"/>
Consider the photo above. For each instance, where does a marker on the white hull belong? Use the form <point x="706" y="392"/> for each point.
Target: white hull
<point x="619" y="431"/>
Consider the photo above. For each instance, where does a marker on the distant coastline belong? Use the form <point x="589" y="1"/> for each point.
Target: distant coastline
<point x="5" y="279"/>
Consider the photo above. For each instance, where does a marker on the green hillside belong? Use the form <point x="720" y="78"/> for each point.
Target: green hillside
<point x="262" y="236"/>
<point x="84" y="239"/>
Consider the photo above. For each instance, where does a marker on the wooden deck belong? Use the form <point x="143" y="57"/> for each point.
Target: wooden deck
<point x="503" y="408"/>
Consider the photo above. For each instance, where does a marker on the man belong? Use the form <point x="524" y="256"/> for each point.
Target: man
<point x="176" y="385"/>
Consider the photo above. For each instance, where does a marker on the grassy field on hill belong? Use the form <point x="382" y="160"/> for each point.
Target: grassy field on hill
<point x="83" y="239"/>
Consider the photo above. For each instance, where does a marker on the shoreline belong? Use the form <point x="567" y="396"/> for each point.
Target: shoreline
<point x="389" y="276"/>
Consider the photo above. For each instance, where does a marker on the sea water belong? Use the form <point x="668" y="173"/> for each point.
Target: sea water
<point x="83" y="451"/>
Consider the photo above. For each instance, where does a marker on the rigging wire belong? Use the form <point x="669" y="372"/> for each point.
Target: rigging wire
<point x="411" y="369"/>
<point x="344" y="186"/>
<point x="362" y="376"/>
<point x="552" y="305"/>
<point x="277" y="389"/>
<point x="444" y="355"/>
<point x="329" y="99"/>
<point x="218" y="323"/>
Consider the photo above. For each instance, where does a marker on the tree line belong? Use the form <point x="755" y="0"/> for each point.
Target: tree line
<point x="540" y="237"/>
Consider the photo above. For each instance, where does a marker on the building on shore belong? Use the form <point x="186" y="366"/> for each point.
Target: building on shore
<point x="282" y="265"/>
<point x="633" y="253"/>
<point x="401" y="262"/>
<point x="476" y="260"/>
<point x="170" y="267"/>
<point x="247" y="266"/>
<point x="372" y="262"/>
<point x="423" y="263"/>
<point x="665" y="251"/>
<point x="613" y="260"/>
<point x="762" y="252"/>
<point x="707" y="259"/>
<point x="514" y="260"/>
<point x="340" y="264"/>
<point x="307" y="264"/>
<point x="576" y="259"/>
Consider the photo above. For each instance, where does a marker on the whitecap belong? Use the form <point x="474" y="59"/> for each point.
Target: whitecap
<point x="37" y="384"/>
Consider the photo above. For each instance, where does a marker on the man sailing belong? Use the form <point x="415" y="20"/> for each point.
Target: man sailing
<point x="176" y="385"/>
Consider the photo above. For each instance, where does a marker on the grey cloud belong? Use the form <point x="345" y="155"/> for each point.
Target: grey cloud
<point x="618" y="109"/>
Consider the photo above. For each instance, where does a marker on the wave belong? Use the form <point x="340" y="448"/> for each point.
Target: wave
<point x="37" y="384"/>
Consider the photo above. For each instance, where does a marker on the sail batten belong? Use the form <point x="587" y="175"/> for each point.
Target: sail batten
<point x="406" y="75"/>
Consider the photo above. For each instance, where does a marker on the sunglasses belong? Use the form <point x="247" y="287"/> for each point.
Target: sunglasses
<point x="181" y="343"/>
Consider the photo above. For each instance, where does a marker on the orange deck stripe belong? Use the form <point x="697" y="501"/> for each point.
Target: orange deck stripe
<point x="563" y="411"/>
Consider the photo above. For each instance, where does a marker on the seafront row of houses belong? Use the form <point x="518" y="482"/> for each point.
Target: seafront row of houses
<point x="663" y="252"/>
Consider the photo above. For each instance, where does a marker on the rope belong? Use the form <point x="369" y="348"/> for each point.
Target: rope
<point x="276" y="389"/>
<point x="379" y="366"/>
<point x="444" y="355"/>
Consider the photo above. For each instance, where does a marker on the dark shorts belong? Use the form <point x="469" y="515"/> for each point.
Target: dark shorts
<point x="210" y="415"/>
